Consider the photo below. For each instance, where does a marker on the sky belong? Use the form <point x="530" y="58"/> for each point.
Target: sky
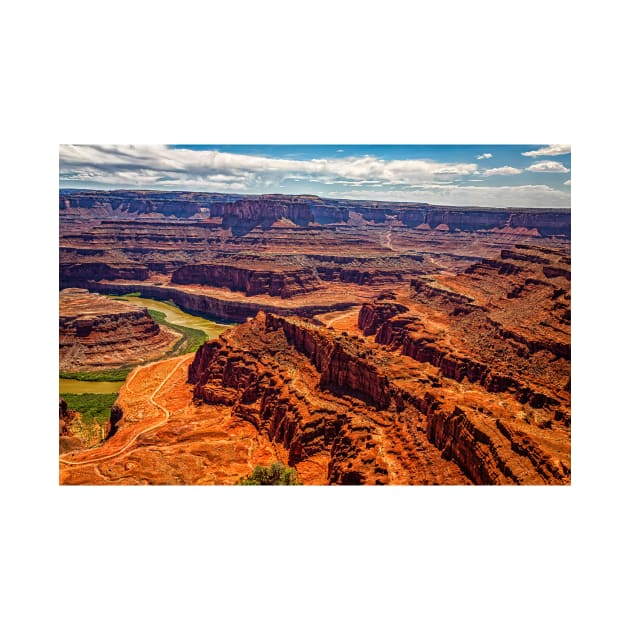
<point x="479" y="175"/>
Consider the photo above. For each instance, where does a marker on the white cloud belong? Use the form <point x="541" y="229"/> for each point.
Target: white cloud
<point x="503" y="170"/>
<point x="552" y="149"/>
<point x="214" y="170"/>
<point x="548" y="166"/>
<point x="527" y="196"/>
<point x="567" y="183"/>
<point x="484" y="156"/>
<point x="364" y="177"/>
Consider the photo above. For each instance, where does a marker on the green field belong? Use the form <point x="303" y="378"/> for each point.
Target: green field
<point x="104" y="375"/>
<point x="125" y="295"/>
<point x="94" y="410"/>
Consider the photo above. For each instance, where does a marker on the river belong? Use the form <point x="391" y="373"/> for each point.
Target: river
<point x="74" y="386"/>
<point x="173" y="314"/>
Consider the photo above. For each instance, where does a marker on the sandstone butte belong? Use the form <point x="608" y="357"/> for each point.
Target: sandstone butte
<point x="97" y="333"/>
<point x="378" y="343"/>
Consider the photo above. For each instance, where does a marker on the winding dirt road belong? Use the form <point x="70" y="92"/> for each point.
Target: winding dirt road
<point x="352" y="313"/>
<point x="167" y="415"/>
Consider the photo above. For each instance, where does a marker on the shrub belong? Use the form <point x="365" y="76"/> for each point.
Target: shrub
<point x="275" y="475"/>
<point x="95" y="411"/>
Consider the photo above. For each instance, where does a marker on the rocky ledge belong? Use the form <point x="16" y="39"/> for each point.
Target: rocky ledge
<point x="98" y="333"/>
<point x="375" y="417"/>
<point x="283" y="282"/>
<point x="241" y="213"/>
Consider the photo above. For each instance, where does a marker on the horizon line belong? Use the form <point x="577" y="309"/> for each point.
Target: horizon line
<point x="312" y="196"/>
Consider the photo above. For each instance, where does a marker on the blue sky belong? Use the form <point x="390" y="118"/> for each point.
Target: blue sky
<point x="481" y="175"/>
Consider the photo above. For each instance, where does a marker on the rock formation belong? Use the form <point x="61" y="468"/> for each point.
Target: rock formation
<point x="380" y="343"/>
<point x="243" y="213"/>
<point x="98" y="333"/>
<point x="68" y="441"/>
<point x="283" y="282"/>
<point x="373" y="415"/>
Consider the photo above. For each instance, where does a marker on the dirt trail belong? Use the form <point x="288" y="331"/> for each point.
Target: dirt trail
<point x="167" y="415"/>
<point x="353" y="313"/>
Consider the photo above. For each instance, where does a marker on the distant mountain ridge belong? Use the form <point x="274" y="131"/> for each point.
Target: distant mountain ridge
<point x="245" y="211"/>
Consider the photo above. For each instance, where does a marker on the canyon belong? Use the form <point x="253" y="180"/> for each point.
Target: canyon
<point x="379" y="343"/>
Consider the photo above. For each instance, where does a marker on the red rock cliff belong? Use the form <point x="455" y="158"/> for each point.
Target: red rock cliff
<point x="99" y="333"/>
<point x="376" y="417"/>
<point x="283" y="283"/>
<point x="266" y="210"/>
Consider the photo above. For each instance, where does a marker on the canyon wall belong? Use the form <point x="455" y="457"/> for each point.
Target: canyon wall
<point x="379" y="418"/>
<point x="72" y="273"/>
<point x="267" y="209"/>
<point x="217" y="308"/>
<point x="98" y="333"/>
<point x="546" y="222"/>
<point x="243" y="213"/>
<point x="140" y="202"/>
<point x="283" y="282"/>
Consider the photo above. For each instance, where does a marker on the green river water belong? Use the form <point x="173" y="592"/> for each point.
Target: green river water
<point x="173" y="315"/>
<point x="73" y="386"/>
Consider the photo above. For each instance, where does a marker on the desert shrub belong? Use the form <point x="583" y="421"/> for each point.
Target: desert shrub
<point x="95" y="411"/>
<point x="275" y="475"/>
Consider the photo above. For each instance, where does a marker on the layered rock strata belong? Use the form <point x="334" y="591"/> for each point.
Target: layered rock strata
<point x="377" y="417"/>
<point x="502" y="327"/>
<point x="243" y="213"/>
<point x="282" y="282"/>
<point x="229" y="307"/>
<point x="99" y="333"/>
<point x="454" y="366"/>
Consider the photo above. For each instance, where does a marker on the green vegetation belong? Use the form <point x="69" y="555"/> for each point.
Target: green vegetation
<point x="275" y="475"/>
<point x="104" y="375"/>
<point x="94" y="410"/>
<point x="191" y="339"/>
<point x="124" y="296"/>
<point x="158" y="317"/>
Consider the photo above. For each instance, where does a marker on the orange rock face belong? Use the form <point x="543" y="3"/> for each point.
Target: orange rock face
<point x="377" y="414"/>
<point x="502" y="330"/>
<point x="328" y="399"/>
<point x="67" y="441"/>
<point x="98" y="333"/>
